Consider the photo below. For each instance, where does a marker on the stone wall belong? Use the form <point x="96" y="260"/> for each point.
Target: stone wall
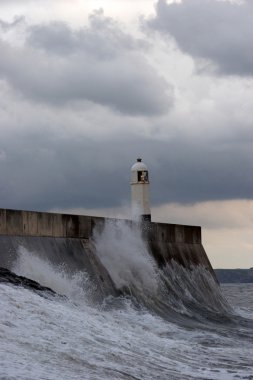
<point x="32" y="223"/>
<point x="67" y="240"/>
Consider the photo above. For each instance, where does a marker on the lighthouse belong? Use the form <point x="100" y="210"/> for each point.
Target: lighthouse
<point x="140" y="191"/>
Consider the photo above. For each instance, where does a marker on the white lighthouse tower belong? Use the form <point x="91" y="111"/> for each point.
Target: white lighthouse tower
<point x="140" y="191"/>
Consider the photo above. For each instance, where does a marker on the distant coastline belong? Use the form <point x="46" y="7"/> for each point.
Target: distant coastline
<point x="231" y="276"/>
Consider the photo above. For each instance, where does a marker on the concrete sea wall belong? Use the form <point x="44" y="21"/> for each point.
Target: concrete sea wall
<point x="68" y="240"/>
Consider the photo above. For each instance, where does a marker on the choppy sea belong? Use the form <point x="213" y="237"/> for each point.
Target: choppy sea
<point x="177" y="331"/>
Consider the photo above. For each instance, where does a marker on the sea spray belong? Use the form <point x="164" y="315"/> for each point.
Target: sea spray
<point x="192" y="292"/>
<point x="124" y="254"/>
<point x="75" y="286"/>
<point x="194" y="288"/>
<point x="168" y="291"/>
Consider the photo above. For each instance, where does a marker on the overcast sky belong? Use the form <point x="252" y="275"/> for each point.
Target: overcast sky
<point x="87" y="86"/>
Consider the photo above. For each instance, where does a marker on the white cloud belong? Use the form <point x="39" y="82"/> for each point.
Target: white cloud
<point x="99" y="63"/>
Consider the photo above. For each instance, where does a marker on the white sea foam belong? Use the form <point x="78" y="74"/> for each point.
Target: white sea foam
<point x="54" y="339"/>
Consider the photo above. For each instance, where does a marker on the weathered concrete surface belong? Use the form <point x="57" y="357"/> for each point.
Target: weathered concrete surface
<point x="67" y="240"/>
<point x="32" y="223"/>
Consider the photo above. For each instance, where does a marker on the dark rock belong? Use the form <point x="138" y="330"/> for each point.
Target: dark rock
<point x="6" y="276"/>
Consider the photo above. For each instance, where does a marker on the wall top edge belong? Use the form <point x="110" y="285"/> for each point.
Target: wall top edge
<point x="161" y="224"/>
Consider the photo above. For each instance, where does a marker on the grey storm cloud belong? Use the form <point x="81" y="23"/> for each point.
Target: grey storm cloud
<point x="103" y="38"/>
<point x="100" y="64"/>
<point x="79" y="154"/>
<point x="41" y="171"/>
<point x="220" y="31"/>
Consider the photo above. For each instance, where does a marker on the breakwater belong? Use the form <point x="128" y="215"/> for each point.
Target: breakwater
<point x="68" y="240"/>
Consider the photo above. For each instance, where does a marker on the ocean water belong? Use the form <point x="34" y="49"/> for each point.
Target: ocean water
<point x="174" y="324"/>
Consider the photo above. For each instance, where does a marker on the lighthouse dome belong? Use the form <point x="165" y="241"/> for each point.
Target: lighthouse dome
<point x="139" y="173"/>
<point x="139" y="166"/>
